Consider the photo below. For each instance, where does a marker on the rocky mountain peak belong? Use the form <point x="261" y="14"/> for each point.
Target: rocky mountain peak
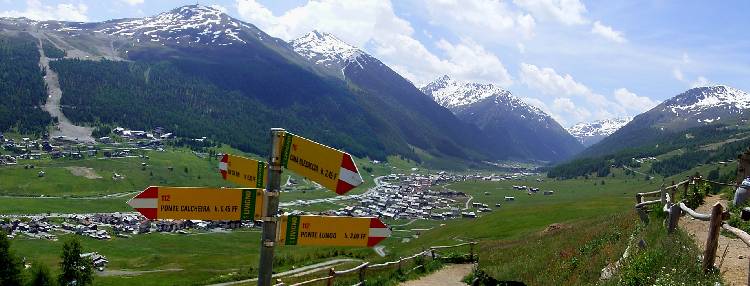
<point x="325" y="49"/>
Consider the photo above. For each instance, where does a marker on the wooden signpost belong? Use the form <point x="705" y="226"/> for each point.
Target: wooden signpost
<point x="331" y="231"/>
<point x="198" y="203"/>
<point x="331" y="168"/>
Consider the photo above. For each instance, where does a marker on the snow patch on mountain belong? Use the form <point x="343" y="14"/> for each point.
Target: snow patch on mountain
<point x="585" y="131"/>
<point x="698" y="99"/>
<point x="453" y="94"/>
<point x="196" y="24"/>
<point x="325" y="49"/>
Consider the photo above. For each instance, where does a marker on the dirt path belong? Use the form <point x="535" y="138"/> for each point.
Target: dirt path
<point x="52" y="106"/>
<point x="735" y="265"/>
<point x="450" y="275"/>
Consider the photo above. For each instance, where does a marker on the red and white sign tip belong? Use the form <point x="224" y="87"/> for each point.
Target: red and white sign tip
<point x="349" y="177"/>
<point x="378" y="232"/>
<point x="146" y="202"/>
<point x="224" y="166"/>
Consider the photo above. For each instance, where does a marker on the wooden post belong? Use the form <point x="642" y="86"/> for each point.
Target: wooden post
<point x="663" y="194"/>
<point x="674" y="217"/>
<point x="362" y="274"/>
<point x="471" y="252"/>
<point x="400" y="260"/>
<point x="638" y="198"/>
<point x="642" y="214"/>
<point x="712" y="242"/>
<point x="432" y="253"/>
<point x="685" y="190"/>
<point x="331" y="276"/>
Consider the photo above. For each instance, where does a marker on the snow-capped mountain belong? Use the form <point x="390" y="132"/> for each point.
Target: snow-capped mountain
<point x="589" y="133"/>
<point x="703" y="107"/>
<point x="523" y="129"/>
<point x="457" y="95"/>
<point x="426" y="124"/>
<point x="325" y="49"/>
<point x="707" y="104"/>
<point x="333" y="55"/>
<point x="186" y="25"/>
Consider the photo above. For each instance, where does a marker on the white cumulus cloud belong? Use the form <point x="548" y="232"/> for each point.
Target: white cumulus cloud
<point x="572" y="101"/>
<point x="480" y="17"/>
<point x="632" y="102"/>
<point x="548" y="81"/>
<point x="133" y="2"/>
<point x="701" y="81"/>
<point x="568" y="12"/>
<point x="373" y="26"/>
<point x="35" y="10"/>
<point x="608" y="33"/>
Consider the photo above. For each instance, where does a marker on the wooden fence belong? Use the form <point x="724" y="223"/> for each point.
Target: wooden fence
<point x="676" y="209"/>
<point x="362" y="269"/>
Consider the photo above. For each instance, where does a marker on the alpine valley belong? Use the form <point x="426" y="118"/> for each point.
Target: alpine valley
<point x="199" y="72"/>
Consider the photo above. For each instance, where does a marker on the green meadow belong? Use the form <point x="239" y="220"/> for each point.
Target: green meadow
<point x="593" y="219"/>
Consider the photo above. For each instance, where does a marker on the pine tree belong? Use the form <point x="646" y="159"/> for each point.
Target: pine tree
<point x="75" y="270"/>
<point x="40" y="275"/>
<point x="10" y="266"/>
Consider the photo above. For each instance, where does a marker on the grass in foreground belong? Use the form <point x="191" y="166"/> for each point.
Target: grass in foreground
<point x="666" y="259"/>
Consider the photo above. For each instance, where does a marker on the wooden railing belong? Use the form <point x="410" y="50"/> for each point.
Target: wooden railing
<point x="362" y="269"/>
<point x="676" y="209"/>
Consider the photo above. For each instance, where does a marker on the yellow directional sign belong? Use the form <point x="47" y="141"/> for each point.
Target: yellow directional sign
<point x="328" y="167"/>
<point x="247" y="172"/>
<point x="199" y="203"/>
<point x="331" y="231"/>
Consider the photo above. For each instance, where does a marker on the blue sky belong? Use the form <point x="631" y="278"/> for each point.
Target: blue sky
<point x="577" y="60"/>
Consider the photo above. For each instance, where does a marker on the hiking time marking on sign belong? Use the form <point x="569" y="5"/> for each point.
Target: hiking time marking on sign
<point x="199" y="203"/>
<point x="240" y="170"/>
<point x="331" y="168"/>
<point x="331" y="231"/>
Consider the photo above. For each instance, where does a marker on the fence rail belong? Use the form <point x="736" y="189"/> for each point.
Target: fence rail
<point x="362" y="268"/>
<point x="677" y="209"/>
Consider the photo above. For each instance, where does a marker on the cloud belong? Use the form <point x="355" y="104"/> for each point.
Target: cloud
<point x="568" y="12"/>
<point x="480" y="17"/>
<point x="685" y="58"/>
<point x="700" y="82"/>
<point x="133" y="2"/>
<point x="470" y="61"/>
<point x="677" y="73"/>
<point x="548" y="81"/>
<point x="35" y="10"/>
<point x="373" y="26"/>
<point x="572" y="100"/>
<point x="608" y="33"/>
<point x="571" y="110"/>
<point x="632" y="102"/>
<point x="220" y="8"/>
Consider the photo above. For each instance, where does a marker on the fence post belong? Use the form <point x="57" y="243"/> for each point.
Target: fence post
<point x="663" y="194"/>
<point x="471" y="251"/>
<point x="712" y="242"/>
<point x="638" y="198"/>
<point x="687" y="186"/>
<point x="362" y="273"/>
<point x="331" y="276"/>
<point x="674" y="217"/>
<point x="400" y="259"/>
<point x="432" y="253"/>
<point x="642" y="214"/>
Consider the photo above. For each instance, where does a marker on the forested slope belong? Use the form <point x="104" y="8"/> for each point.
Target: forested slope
<point x="22" y="90"/>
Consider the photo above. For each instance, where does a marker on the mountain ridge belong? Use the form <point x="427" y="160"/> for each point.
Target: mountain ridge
<point x="525" y="131"/>
<point x="589" y="133"/>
